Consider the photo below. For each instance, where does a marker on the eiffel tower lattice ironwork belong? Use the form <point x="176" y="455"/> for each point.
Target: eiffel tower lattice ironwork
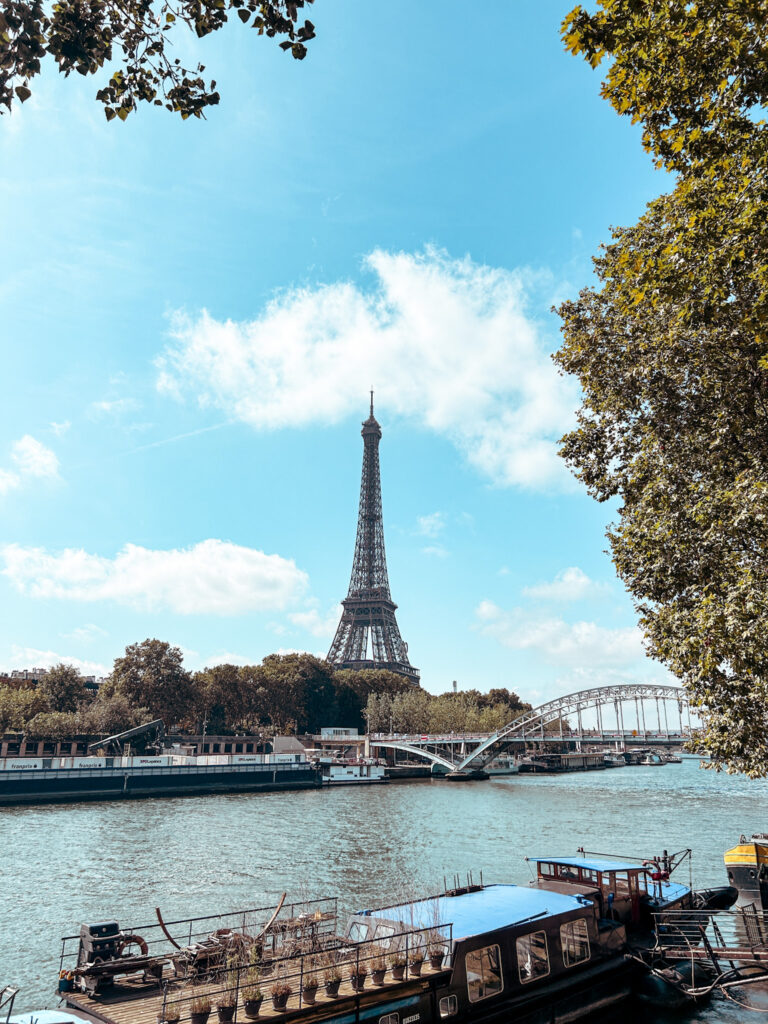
<point x="369" y="611"/>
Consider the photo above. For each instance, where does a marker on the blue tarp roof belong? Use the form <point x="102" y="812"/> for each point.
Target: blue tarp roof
<point x="594" y="864"/>
<point x="472" y="913"/>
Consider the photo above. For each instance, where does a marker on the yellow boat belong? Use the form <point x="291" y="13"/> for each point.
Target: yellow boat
<point x="747" y="867"/>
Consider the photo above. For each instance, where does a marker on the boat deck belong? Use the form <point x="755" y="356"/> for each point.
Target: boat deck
<point x="135" y="1002"/>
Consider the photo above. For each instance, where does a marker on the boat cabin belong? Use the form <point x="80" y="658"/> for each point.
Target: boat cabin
<point x="501" y="941"/>
<point x="625" y="891"/>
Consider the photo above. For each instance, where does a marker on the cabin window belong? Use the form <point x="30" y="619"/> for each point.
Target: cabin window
<point x="390" y="1018"/>
<point x="588" y="875"/>
<point x="545" y="869"/>
<point x="567" y="872"/>
<point x="383" y="934"/>
<point x="484" y="976"/>
<point x="358" y="932"/>
<point x="622" y="884"/>
<point x="574" y="939"/>
<point x="449" y="1006"/>
<point x="532" y="956"/>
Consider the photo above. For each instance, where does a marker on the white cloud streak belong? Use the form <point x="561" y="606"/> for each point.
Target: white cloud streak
<point x="571" y="584"/>
<point x="33" y="657"/>
<point x="448" y="343"/>
<point x="576" y="645"/>
<point x="31" y="458"/>
<point x="212" y="577"/>
<point x="430" y="525"/>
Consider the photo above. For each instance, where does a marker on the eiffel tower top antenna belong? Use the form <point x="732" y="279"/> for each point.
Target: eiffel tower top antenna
<point x="368" y="619"/>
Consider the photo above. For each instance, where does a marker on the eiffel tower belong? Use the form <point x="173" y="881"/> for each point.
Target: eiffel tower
<point x="368" y="608"/>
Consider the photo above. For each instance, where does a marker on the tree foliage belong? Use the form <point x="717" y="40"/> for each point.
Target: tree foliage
<point x="416" y="711"/>
<point x="135" y="36"/>
<point x="671" y="350"/>
<point x="63" y="687"/>
<point x="151" y="675"/>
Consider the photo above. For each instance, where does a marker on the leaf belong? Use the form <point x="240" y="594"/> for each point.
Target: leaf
<point x="109" y="113"/>
<point x="243" y="16"/>
<point x="23" y="92"/>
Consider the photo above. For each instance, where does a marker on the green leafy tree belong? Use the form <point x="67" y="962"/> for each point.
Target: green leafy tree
<point x="671" y="351"/>
<point x="135" y="37"/>
<point x="151" y="675"/>
<point x="63" y="687"/>
<point x="222" y="697"/>
<point x="298" y="691"/>
<point x="18" y="705"/>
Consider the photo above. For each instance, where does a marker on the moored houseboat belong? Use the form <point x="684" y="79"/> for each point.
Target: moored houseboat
<point x="352" y="771"/>
<point x="481" y="952"/>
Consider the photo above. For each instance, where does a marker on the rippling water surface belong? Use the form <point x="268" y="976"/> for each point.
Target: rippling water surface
<point x="60" y="865"/>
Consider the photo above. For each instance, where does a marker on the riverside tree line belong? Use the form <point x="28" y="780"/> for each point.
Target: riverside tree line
<point x="289" y="693"/>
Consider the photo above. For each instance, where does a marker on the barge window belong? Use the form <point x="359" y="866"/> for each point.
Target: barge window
<point x="484" y="977"/>
<point x="390" y="1018"/>
<point x="532" y="956"/>
<point x="383" y="934"/>
<point x="574" y="939"/>
<point x="449" y="1006"/>
<point x="358" y="932"/>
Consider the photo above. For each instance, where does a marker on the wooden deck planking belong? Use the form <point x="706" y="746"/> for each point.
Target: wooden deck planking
<point x="143" y="1004"/>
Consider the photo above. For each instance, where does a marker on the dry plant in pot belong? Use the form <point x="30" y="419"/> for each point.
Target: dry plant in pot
<point x="331" y="979"/>
<point x="200" y="1010"/>
<point x="378" y="970"/>
<point x="397" y="965"/>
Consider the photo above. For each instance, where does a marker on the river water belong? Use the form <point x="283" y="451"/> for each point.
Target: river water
<point x="62" y="865"/>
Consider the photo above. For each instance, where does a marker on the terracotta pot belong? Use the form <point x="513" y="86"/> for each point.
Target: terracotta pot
<point x="200" y="1018"/>
<point x="415" y="967"/>
<point x="309" y="994"/>
<point x="279" y="1002"/>
<point x="436" y="961"/>
<point x="332" y="988"/>
<point x="358" y="982"/>
<point x="398" y="972"/>
<point x="252" y="1007"/>
<point x="226" y="1014"/>
<point x="377" y="977"/>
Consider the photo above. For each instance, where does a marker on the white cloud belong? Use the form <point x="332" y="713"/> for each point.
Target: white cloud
<point x="113" y="407"/>
<point x="571" y="584"/>
<point x="32" y="657"/>
<point x="60" y="428"/>
<point x="212" y="577"/>
<point x="449" y="343"/>
<point x="33" y="458"/>
<point x="575" y="644"/>
<point x="8" y="481"/>
<point x="430" y="525"/>
<point x="435" y="551"/>
<point x="315" y="623"/>
<point x="85" y="634"/>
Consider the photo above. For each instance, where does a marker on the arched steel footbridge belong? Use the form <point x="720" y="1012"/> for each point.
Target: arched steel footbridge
<point x="619" y="716"/>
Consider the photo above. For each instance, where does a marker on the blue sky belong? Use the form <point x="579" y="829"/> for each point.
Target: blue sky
<point x="192" y="313"/>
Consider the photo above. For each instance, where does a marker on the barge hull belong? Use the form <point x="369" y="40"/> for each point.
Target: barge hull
<point x="68" y="785"/>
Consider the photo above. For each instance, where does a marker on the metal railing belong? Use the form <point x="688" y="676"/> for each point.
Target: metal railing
<point x="293" y="980"/>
